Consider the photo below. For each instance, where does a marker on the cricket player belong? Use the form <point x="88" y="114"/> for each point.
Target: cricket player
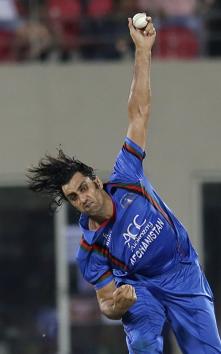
<point x="134" y="250"/>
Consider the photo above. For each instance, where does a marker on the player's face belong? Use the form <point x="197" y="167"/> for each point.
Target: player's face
<point x="84" y="194"/>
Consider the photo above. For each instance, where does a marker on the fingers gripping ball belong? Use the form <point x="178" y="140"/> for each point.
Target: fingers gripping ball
<point x="140" y="20"/>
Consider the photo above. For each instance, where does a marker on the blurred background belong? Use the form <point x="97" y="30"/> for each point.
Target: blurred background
<point x="67" y="30"/>
<point x="65" y="69"/>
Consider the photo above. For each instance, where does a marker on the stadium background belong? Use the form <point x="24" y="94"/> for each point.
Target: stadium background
<point x="81" y="103"/>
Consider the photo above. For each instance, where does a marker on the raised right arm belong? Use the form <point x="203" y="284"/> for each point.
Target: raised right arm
<point x="140" y="92"/>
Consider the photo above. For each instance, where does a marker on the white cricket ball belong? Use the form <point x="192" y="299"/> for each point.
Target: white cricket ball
<point x="140" y="20"/>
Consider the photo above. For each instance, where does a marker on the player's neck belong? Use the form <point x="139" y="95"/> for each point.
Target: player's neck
<point x="105" y="213"/>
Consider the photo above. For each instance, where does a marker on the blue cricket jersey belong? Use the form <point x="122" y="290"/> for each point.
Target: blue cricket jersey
<point x="142" y="239"/>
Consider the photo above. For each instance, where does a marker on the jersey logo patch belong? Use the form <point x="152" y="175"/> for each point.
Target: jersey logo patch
<point x="107" y="237"/>
<point x="127" y="199"/>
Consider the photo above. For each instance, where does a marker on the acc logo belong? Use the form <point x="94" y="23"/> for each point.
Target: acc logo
<point x="133" y="230"/>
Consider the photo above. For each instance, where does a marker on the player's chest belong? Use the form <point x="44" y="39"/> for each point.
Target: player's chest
<point x="137" y="223"/>
<point x="130" y="219"/>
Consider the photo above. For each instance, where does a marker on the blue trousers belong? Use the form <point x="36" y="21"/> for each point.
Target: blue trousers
<point x="183" y="297"/>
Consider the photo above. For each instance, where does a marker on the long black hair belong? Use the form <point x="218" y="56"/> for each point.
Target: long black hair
<point x="52" y="173"/>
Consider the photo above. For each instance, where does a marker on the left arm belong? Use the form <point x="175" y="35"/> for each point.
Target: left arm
<point x="114" y="302"/>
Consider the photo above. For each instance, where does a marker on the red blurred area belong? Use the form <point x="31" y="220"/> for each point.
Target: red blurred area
<point x="7" y="39"/>
<point x="176" y="42"/>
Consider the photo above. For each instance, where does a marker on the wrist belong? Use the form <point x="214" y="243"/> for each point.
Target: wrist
<point x="112" y="311"/>
<point x="119" y="311"/>
<point x="143" y="52"/>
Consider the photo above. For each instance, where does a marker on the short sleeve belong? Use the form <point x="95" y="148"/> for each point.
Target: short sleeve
<point x="128" y="166"/>
<point x="94" y="265"/>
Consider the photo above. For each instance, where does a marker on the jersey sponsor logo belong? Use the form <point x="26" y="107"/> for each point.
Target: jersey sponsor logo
<point x="147" y="240"/>
<point x="133" y="230"/>
<point x="107" y="237"/>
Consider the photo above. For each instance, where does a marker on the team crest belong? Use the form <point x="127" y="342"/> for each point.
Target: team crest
<point x="127" y="199"/>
